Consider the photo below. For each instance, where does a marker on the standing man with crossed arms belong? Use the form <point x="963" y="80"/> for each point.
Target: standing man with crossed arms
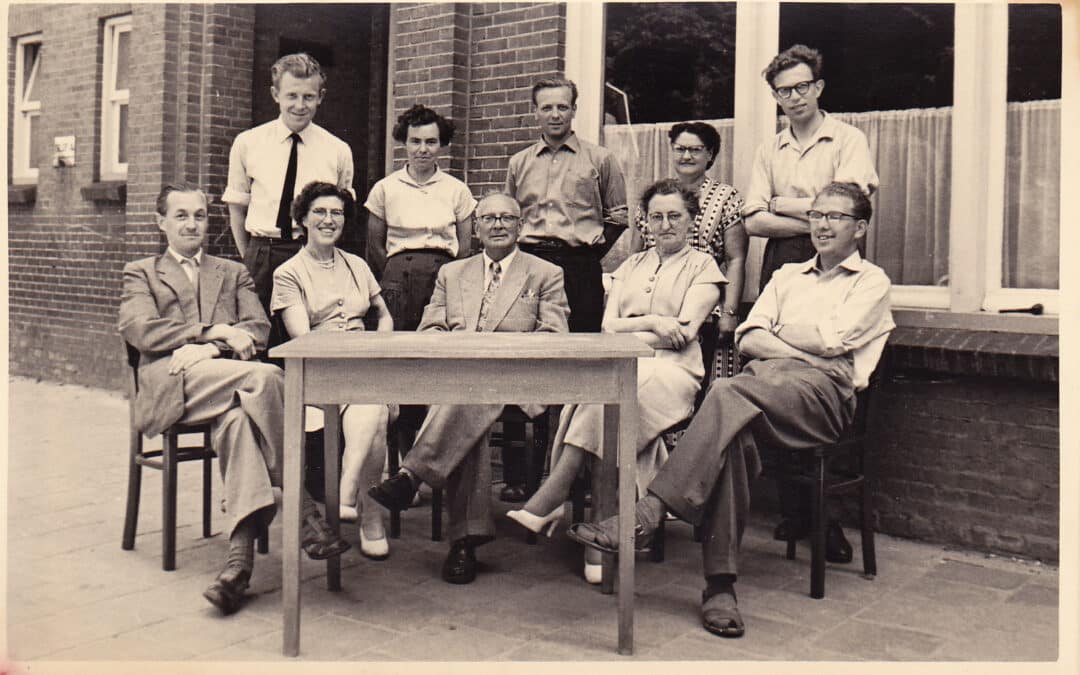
<point x="270" y="163"/>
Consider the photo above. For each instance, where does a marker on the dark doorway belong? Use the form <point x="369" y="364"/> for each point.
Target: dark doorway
<point x="351" y="44"/>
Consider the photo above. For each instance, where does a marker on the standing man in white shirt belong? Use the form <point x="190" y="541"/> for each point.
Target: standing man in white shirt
<point x="270" y="164"/>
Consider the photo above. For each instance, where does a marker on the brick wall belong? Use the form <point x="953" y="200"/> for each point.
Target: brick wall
<point x="66" y="252"/>
<point x="476" y="63"/>
<point x="969" y="460"/>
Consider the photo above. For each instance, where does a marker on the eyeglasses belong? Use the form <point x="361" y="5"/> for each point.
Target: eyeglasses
<point x="506" y="219"/>
<point x="321" y="213"/>
<point x="801" y="87"/>
<point x="694" y="150"/>
<point x="656" y="219"/>
<point x="834" y="217"/>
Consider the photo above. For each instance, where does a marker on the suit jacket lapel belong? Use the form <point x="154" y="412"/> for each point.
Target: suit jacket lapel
<point x="211" y="277"/>
<point x="472" y="290"/>
<point x="172" y="275"/>
<point x="508" y="292"/>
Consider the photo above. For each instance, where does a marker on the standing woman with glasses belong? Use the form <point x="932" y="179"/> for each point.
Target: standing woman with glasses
<point x="661" y="295"/>
<point x="419" y="217"/>
<point x="323" y="288"/>
<point x="718" y="227"/>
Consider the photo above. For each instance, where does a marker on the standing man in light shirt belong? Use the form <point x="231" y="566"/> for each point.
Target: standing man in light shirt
<point x="815" y="150"/>
<point x="270" y="163"/>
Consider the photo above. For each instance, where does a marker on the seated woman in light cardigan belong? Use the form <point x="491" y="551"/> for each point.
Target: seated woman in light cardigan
<point x="323" y="288"/>
<point x="662" y="295"/>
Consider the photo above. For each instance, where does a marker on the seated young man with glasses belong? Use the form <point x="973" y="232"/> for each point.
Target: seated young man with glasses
<point x="815" y="335"/>
<point x="788" y="171"/>
<point x="502" y="289"/>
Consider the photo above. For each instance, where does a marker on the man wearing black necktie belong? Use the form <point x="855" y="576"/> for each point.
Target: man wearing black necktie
<point x="503" y="290"/>
<point x="271" y="163"/>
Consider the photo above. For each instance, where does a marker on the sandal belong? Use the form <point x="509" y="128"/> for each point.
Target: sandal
<point x="319" y="541"/>
<point x="604" y="536"/>
<point x="720" y="613"/>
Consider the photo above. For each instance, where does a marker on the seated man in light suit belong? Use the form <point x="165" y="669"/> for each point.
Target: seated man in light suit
<point x="184" y="310"/>
<point x="505" y="290"/>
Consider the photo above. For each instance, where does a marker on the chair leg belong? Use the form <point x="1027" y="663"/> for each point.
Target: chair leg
<point x="530" y="469"/>
<point x="393" y="446"/>
<point x="131" y="514"/>
<point x="262" y="541"/>
<point x="206" y="489"/>
<point x="790" y="553"/>
<point x="817" y="544"/>
<point x="657" y="553"/>
<point x="865" y="511"/>
<point x="168" y="501"/>
<point x="436" y="515"/>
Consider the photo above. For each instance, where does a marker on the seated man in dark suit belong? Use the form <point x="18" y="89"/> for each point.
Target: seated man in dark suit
<point x="815" y="334"/>
<point x="184" y="311"/>
<point x="502" y="289"/>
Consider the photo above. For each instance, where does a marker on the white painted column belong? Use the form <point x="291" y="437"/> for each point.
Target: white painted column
<point x="585" y="65"/>
<point x="978" y="152"/>
<point x="757" y="41"/>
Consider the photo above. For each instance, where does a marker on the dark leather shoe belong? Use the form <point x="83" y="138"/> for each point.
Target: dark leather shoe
<point x="837" y="548"/>
<point x="395" y="493"/>
<point x="460" y="564"/>
<point x="512" y="493"/>
<point x="227" y="591"/>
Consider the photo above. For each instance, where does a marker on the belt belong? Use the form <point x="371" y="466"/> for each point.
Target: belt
<point x="560" y="247"/>
<point x="276" y="241"/>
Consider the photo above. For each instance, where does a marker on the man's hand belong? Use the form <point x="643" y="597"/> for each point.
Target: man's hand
<point x="190" y="354"/>
<point x="242" y="344"/>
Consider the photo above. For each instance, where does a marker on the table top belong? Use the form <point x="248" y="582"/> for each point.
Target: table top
<point x="463" y="345"/>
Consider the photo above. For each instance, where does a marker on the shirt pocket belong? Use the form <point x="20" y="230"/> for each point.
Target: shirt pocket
<point x="581" y="186"/>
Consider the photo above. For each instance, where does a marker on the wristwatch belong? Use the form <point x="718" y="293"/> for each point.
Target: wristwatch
<point x="728" y="312"/>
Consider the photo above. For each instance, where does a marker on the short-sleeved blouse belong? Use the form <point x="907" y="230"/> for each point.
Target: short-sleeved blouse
<point x="720" y="209"/>
<point x="420" y="216"/>
<point x="336" y="298"/>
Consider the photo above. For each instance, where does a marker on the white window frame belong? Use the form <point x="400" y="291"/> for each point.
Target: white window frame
<point x="23" y="167"/>
<point x="111" y="168"/>
<point x="977" y="218"/>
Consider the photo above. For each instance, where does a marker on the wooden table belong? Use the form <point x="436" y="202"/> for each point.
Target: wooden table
<point x="328" y="369"/>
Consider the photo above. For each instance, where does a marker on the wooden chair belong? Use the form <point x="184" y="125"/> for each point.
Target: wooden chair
<point x="536" y="437"/>
<point x="166" y="460"/>
<point x="830" y="470"/>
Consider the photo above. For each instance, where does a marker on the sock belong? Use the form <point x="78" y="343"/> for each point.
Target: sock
<point x="720" y="583"/>
<point x="242" y="544"/>
<point x="649" y="512"/>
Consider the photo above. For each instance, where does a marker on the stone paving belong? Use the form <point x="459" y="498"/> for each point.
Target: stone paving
<point x="73" y="594"/>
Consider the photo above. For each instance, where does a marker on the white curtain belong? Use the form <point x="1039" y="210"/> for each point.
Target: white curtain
<point x="1032" y="195"/>
<point x="909" y="235"/>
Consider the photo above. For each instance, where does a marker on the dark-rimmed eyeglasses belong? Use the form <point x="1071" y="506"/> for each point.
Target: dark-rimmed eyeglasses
<point x="507" y="219"/>
<point x="656" y="219"/>
<point x="694" y="150"/>
<point x="321" y="213"/>
<point x="834" y="217"/>
<point x="801" y="87"/>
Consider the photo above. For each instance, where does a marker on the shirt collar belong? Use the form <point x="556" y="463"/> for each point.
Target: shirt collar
<point x="571" y="143"/>
<point x="852" y="263"/>
<point x="827" y="129"/>
<point x="179" y="258"/>
<point x="405" y="177"/>
<point x="681" y="254"/>
<point x="283" y="132"/>
<point x="504" y="264"/>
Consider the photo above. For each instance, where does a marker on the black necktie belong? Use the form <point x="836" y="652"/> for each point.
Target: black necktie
<point x="284" y="218"/>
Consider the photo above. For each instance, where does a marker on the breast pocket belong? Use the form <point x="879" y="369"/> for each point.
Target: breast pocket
<point x="581" y="186"/>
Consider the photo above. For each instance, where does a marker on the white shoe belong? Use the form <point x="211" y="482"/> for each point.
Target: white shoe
<point x="348" y="513"/>
<point x="538" y="523"/>
<point x="594" y="572"/>
<point x="377" y="548"/>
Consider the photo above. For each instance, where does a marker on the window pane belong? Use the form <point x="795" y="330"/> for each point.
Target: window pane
<point x="123" y="134"/>
<point x="30" y="56"/>
<point x="888" y="70"/>
<point x="36" y="144"/>
<point x="1033" y="149"/>
<point x="123" y="42"/>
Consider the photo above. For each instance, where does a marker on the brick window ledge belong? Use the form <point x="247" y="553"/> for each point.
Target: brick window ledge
<point x="21" y="194"/>
<point x="965" y="351"/>
<point x="105" y="191"/>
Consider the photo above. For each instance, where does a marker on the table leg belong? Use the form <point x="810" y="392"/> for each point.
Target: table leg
<point x="292" y="477"/>
<point x="605" y="489"/>
<point x="628" y="413"/>
<point x="331" y="464"/>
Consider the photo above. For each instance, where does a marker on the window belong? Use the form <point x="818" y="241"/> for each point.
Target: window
<point x="26" y="127"/>
<point x="114" y="98"/>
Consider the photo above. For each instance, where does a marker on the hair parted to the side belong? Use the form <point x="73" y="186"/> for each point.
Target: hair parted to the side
<point x="791" y="57"/>
<point x="299" y="65"/>
<point x="313" y="191"/>
<point x="860" y="203"/>
<point x="162" y="203"/>
<point x="555" y="83"/>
